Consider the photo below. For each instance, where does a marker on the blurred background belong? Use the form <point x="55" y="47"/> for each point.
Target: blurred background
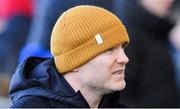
<point x="153" y="73"/>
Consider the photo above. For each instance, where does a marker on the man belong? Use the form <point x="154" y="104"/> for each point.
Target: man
<point x="88" y="67"/>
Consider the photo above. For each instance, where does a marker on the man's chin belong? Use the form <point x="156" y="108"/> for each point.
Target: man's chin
<point x="114" y="88"/>
<point x="120" y="86"/>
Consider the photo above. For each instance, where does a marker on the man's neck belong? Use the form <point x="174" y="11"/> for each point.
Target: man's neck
<point x="93" y="98"/>
<point x="91" y="95"/>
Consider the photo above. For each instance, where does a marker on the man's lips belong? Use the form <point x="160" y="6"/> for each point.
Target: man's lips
<point x="118" y="72"/>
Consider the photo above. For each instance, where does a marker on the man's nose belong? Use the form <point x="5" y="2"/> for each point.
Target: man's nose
<point x="121" y="57"/>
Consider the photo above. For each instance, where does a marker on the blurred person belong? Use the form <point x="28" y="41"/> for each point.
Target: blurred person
<point x="150" y="74"/>
<point x="175" y="18"/>
<point x="174" y="39"/>
<point x="175" y="51"/>
<point x="45" y="17"/>
<point x="87" y="67"/>
<point x="15" y="16"/>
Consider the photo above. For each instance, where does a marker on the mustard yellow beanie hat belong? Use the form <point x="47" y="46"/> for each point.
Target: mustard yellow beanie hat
<point x="82" y="33"/>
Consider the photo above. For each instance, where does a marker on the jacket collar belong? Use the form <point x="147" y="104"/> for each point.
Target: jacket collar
<point x="39" y="75"/>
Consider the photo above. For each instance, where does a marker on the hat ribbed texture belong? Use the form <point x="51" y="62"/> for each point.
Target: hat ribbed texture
<point x="73" y="40"/>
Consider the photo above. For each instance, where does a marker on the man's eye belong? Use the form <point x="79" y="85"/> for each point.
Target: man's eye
<point x="111" y="49"/>
<point x="124" y="45"/>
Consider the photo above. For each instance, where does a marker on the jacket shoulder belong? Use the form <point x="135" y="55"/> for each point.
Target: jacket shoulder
<point x="31" y="102"/>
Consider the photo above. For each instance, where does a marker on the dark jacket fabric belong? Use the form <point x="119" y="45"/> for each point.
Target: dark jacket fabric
<point x="150" y="72"/>
<point x="37" y="84"/>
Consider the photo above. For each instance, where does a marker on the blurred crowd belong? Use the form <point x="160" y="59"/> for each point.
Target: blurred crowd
<point x="153" y="72"/>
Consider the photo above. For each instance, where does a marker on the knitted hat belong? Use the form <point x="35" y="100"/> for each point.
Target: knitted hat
<point x="82" y="33"/>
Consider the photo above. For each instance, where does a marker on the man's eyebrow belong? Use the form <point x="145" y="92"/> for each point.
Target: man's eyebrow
<point x="123" y="45"/>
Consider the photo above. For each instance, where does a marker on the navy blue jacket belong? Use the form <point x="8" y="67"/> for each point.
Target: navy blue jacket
<point x="37" y="84"/>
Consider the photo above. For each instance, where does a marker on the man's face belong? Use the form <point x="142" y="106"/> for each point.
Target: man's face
<point x="160" y="8"/>
<point x="106" y="71"/>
